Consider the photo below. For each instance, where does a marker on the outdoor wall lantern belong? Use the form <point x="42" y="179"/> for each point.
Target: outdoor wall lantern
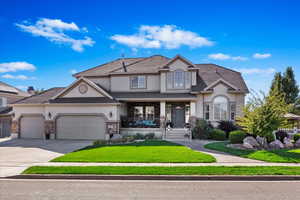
<point x="110" y="114"/>
<point x="49" y="115"/>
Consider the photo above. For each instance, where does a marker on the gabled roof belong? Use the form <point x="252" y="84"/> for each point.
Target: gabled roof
<point x="106" y="68"/>
<point x="8" y="89"/>
<point x="177" y="57"/>
<point x="210" y="73"/>
<point x="147" y="65"/>
<point x="41" y="98"/>
<point x="97" y="87"/>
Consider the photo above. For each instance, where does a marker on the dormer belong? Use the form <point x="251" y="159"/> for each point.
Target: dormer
<point x="178" y="75"/>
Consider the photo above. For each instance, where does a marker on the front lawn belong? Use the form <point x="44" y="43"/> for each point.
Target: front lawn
<point x="199" y="170"/>
<point x="278" y="156"/>
<point x="155" y="151"/>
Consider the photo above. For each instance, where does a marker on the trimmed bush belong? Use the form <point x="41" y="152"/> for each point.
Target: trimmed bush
<point x="202" y="129"/>
<point x="150" y="136"/>
<point x="280" y="135"/>
<point x="237" y="137"/>
<point x="139" y="136"/>
<point x="227" y="126"/>
<point x="296" y="137"/>
<point x="270" y="137"/>
<point x="217" y="134"/>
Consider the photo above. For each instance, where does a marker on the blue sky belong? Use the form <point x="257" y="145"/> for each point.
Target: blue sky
<point x="43" y="42"/>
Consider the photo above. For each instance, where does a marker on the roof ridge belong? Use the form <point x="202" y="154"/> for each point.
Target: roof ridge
<point x="115" y="60"/>
<point x="226" y="68"/>
<point x="25" y="98"/>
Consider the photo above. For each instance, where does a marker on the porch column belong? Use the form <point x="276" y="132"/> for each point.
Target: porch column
<point x="192" y="119"/>
<point x="162" y="109"/>
<point x="162" y="116"/>
<point x="193" y="108"/>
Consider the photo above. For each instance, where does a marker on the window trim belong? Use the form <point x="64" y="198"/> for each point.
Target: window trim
<point x="4" y="102"/>
<point x="138" y="76"/>
<point x="172" y="74"/>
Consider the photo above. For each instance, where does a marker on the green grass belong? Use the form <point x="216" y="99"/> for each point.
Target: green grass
<point x="199" y="170"/>
<point x="155" y="151"/>
<point x="278" y="156"/>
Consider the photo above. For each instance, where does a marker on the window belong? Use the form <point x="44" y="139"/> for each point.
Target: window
<point x="138" y="82"/>
<point x="206" y="111"/>
<point x="232" y="111"/>
<point x="2" y="101"/>
<point x="149" y="112"/>
<point x="138" y="113"/>
<point x="178" y="79"/>
<point x="220" y="106"/>
<point x="188" y="81"/>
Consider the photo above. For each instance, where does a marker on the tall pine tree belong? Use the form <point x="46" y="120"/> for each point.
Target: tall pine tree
<point x="289" y="86"/>
<point x="276" y="83"/>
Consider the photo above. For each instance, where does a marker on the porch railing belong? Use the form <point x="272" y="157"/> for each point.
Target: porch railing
<point x="127" y="122"/>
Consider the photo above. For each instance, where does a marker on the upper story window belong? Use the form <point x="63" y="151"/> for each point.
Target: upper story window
<point x="2" y="101"/>
<point x="178" y="79"/>
<point x="138" y="82"/>
<point x="220" y="106"/>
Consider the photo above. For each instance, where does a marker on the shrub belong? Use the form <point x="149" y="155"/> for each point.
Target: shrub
<point x="227" y="126"/>
<point x="139" y="136"/>
<point x="99" y="142"/>
<point x="296" y="137"/>
<point x="237" y="136"/>
<point x="280" y="135"/>
<point x="202" y="129"/>
<point x="217" y="134"/>
<point x="149" y="136"/>
<point x="270" y="137"/>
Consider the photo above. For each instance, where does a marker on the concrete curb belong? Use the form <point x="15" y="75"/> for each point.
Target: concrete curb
<point x="159" y="177"/>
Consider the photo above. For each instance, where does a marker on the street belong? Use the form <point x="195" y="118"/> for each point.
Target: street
<point x="90" y="189"/>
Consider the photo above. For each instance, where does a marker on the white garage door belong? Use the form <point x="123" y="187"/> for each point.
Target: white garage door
<point x="80" y="127"/>
<point x="32" y="127"/>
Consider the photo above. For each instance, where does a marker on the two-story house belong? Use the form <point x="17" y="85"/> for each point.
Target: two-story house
<point x="133" y="95"/>
<point x="8" y="95"/>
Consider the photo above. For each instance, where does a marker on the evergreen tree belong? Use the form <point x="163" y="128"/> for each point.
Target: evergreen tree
<point x="276" y="83"/>
<point x="289" y="86"/>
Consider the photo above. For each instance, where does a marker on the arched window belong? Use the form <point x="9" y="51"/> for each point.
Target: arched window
<point x="220" y="106"/>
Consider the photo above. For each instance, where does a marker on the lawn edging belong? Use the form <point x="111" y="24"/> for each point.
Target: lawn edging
<point x="164" y="171"/>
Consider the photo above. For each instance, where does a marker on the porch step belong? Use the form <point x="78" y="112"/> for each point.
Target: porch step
<point x="176" y="134"/>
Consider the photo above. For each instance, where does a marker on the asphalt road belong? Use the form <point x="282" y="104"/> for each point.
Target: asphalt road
<point x="85" y="189"/>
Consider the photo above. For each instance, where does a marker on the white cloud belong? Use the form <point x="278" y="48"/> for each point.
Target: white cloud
<point x="53" y="30"/>
<point x="73" y="71"/>
<point x="16" y="66"/>
<point x="167" y="36"/>
<point x="19" y="77"/>
<point x="221" y="56"/>
<point x="251" y="71"/>
<point x="261" y="55"/>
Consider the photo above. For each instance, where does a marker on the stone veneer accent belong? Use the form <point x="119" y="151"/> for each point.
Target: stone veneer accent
<point x="49" y="127"/>
<point x="112" y="127"/>
<point x="15" y="126"/>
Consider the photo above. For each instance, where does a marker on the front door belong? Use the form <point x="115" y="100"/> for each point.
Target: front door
<point x="178" y="115"/>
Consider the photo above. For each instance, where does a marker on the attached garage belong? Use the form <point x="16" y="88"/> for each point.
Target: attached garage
<point x="82" y="127"/>
<point x="32" y="127"/>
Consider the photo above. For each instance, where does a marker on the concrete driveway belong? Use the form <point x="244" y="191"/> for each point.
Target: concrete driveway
<point x="18" y="154"/>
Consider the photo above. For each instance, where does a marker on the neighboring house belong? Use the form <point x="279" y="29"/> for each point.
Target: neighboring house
<point x="8" y="95"/>
<point x="133" y="95"/>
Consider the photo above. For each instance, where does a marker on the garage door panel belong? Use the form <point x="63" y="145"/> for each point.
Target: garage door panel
<point x="32" y="127"/>
<point x="80" y="127"/>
